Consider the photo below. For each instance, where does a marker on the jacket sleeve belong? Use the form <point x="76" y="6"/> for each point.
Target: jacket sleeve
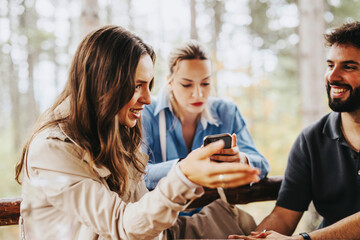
<point x="156" y="171"/>
<point x="247" y="145"/>
<point x="88" y="200"/>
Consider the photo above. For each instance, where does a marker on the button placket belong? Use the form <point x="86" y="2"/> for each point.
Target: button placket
<point x="354" y="156"/>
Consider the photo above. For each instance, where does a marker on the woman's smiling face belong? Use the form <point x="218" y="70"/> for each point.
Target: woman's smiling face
<point x="144" y="76"/>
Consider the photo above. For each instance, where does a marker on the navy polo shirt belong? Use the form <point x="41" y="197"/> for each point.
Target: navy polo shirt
<point x="322" y="168"/>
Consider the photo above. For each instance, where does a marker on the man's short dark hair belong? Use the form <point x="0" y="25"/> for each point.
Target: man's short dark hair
<point x="347" y="34"/>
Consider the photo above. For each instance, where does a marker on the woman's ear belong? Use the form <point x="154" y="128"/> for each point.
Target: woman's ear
<point x="169" y="82"/>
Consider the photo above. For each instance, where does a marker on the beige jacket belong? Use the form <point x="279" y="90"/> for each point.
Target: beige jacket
<point x="63" y="199"/>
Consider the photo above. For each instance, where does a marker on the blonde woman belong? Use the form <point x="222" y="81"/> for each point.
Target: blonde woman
<point x="178" y="119"/>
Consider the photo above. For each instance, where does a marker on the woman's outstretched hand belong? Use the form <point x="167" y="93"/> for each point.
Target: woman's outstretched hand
<point x="198" y="168"/>
<point x="271" y="235"/>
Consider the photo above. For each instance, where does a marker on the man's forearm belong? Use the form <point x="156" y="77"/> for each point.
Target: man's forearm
<point x="275" y="224"/>
<point x="281" y="220"/>
<point x="347" y="228"/>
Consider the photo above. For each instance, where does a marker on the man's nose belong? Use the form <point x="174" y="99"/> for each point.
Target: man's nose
<point x="334" y="74"/>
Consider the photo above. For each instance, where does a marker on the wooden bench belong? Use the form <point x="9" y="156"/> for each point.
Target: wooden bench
<point x="265" y="190"/>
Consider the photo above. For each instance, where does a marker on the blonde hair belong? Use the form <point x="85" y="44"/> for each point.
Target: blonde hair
<point x="189" y="50"/>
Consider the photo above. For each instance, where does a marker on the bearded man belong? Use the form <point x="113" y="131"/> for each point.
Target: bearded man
<point x="324" y="162"/>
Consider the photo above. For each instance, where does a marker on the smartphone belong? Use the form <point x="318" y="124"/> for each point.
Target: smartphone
<point x="213" y="138"/>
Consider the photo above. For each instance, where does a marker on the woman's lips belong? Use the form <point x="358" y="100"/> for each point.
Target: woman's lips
<point x="135" y="112"/>
<point x="197" y="104"/>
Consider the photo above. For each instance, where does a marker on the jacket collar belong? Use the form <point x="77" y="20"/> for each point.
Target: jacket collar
<point x="163" y="103"/>
<point x="62" y="111"/>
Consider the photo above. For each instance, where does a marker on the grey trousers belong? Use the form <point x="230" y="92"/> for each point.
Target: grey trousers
<point x="217" y="220"/>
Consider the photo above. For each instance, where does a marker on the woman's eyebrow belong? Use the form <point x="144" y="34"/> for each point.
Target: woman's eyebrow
<point x="189" y="80"/>
<point x="143" y="81"/>
<point x="186" y="79"/>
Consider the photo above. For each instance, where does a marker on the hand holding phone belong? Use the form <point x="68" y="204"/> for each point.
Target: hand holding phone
<point x="230" y="153"/>
<point x="213" y="138"/>
<point x="199" y="170"/>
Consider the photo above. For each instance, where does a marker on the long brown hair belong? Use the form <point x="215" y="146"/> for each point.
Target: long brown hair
<point x="100" y="82"/>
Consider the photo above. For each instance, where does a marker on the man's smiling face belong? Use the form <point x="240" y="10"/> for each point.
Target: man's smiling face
<point x="342" y="78"/>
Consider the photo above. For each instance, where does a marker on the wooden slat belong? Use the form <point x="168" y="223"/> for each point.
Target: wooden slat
<point x="9" y="211"/>
<point x="267" y="189"/>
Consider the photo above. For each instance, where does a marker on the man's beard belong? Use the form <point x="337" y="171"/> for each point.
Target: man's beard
<point x="351" y="104"/>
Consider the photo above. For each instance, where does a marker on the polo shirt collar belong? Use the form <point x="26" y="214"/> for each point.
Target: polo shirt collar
<point x="332" y="126"/>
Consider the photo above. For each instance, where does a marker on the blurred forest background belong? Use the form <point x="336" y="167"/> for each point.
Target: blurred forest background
<point x="268" y="57"/>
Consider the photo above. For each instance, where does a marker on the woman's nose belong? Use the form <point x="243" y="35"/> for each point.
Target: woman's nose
<point x="197" y="92"/>
<point x="146" y="97"/>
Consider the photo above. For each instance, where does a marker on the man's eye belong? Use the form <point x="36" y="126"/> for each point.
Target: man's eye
<point x="330" y="65"/>
<point x="348" y="67"/>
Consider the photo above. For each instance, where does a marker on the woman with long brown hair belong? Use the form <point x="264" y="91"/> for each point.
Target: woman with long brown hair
<point x="82" y="169"/>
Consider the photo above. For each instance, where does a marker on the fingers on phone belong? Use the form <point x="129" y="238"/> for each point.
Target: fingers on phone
<point x="233" y="142"/>
<point x="211" y="149"/>
<point x="225" y="158"/>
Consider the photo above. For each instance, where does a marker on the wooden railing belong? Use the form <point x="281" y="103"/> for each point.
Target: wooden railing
<point x="9" y="211"/>
<point x="265" y="190"/>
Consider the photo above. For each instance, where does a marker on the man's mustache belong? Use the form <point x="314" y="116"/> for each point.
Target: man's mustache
<point x="339" y="85"/>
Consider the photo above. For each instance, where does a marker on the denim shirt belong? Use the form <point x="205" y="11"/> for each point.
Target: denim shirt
<point x="227" y="120"/>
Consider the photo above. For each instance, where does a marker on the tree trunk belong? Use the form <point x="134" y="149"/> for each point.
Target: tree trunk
<point x="32" y="107"/>
<point x="13" y="83"/>
<point x="193" y="29"/>
<point x="89" y="19"/>
<point x="312" y="56"/>
<point x="15" y="106"/>
<point x="27" y="21"/>
<point x="130" y="26"/>
<point x="218" y="13"/>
